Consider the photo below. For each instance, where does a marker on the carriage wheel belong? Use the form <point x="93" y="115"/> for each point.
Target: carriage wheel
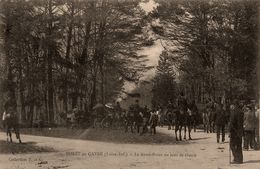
<point x="106" y="123"/>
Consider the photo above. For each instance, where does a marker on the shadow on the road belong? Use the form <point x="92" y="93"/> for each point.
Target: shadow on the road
<point x="119" y="136"/>
<point x="26" y="147"/>
<point x="202" y="138"/>
<point x="252" y="161"/>
<point x="109" y="135"/>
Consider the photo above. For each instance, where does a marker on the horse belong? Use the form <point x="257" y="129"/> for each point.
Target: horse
<point x="181" y="120"/>
<point x="11" y="122"/>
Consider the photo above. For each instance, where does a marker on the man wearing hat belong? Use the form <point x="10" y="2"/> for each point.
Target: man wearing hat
<point x="257" y="127"/>
<point x="236" y="132"/>
<point x="249" y="127"/>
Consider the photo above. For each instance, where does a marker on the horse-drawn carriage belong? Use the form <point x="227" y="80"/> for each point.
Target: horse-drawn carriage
<point x="106" y="116"/>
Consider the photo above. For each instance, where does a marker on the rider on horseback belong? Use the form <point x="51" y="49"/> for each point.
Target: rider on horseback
<point x="169" y="114"/>
<point x="182" y="117"/>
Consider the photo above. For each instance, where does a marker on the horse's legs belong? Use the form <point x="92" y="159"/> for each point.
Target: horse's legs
<point x="17" y="133"/>
<point x="176" y="132"/>
<point x="169" y="124"/>
<point x="213" y="127"/>
<point x="189" y="130"/>
<point x="7" y="134"/>
<point x="185" y="132"/>
<point x="10" y="134"/>
<point x="180" y="128"/>
<point x="194" y="124"/>
<point x="208" y="127"/>
<point x="176" y="136"/>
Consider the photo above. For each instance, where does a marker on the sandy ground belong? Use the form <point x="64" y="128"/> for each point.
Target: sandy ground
<point x="112" y="150"/>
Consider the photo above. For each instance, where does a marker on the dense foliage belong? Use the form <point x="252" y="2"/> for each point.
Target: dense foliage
<point x="59" y="54"/>
<point x="213" y="44"/>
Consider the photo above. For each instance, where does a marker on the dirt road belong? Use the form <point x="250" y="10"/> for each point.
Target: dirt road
<point x="149" y="152"/>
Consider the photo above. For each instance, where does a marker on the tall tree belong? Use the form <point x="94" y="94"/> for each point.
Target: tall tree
<point x="165" y="88"/>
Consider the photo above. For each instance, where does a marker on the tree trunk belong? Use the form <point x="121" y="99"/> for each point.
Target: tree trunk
<point x="49" y="67"/>
<point x="21" y="90"/>
<point x="102" y="84"/>
<point x="50" y="89"/>
<point x="68" y="49"/>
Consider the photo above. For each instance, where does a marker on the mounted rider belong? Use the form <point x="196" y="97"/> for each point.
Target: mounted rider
<point x="170" y="114"/>
<point x="182" y="103"/>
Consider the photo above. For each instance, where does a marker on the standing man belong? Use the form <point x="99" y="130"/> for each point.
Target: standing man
<point x="153" y="122"/>
<point x="146" y="117"/>
<point x="137" y="118"/>
<point x="194" y="114"/>
<point x="249" y="127"/>
<point x="220" y="122"/>
<point x="236" y="132"/>
<point x="257" y="127"/>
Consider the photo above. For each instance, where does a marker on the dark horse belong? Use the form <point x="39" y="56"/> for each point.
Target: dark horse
<point x="11" y="122"/>
<point x="182" y="118"/>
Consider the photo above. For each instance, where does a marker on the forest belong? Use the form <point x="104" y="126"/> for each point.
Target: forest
<point x="211" y="50"/>
<point x="58" y="54"/>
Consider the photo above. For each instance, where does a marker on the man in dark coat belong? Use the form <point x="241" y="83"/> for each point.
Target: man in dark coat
<point x="194" y="114"/>
<point x="182" y="103"/>
<point x="137" y="117"/>
<point x="236" y="132"/>
<point x="220" y="122"/>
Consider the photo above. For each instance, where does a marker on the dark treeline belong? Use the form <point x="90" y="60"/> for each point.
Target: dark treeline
<point x="213" y="47"/>
<point x="58" y="54"/>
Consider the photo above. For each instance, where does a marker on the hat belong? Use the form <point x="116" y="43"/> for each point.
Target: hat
<point x="249" y="106"/>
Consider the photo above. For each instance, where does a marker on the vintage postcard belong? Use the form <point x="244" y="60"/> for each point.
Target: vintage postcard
<point x="129" y="84"/>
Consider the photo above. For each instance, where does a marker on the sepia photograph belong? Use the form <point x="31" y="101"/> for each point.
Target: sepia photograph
<point x="129" y="84"/>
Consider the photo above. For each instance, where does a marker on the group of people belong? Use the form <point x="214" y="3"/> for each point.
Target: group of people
<point x="243" y="128"/>
<point x="241" y="118"/>
<point x="141" y="119"/>
<point x="242" y="121"/>
<point x="182" y="114"/>
<point x="215" y="118"/>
